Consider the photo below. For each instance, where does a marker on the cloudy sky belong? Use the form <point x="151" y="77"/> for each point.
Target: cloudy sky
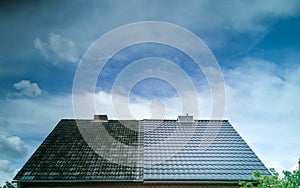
<point x="256" y="45"/>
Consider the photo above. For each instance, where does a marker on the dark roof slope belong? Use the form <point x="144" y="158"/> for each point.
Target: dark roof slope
<point x="147" y="150"/>
<point x="65" y="155"/>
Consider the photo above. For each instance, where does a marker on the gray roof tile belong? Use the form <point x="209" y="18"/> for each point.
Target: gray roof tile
<point x="155" y="150"/>
<point x="225" y="156"/>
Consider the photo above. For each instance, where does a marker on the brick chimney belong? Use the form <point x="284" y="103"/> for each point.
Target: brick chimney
<point x="100" y="117"/>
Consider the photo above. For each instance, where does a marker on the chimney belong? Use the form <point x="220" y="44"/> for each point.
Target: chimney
<point x="100" y="117"/>
<point x="185" y="119"/>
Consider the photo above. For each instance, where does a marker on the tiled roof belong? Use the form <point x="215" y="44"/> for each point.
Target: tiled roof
<point x="65" y="155"/>
<point x="146" y="150"/>
<point x="202" y="150"/>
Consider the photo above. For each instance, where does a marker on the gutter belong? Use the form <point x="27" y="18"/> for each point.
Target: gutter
<point x="201" y="181"/>
<point x="167" y="181"/>
<point x="77" y="181"/>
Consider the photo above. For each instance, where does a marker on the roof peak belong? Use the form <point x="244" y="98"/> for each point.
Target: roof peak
<point x="203" y="120"/>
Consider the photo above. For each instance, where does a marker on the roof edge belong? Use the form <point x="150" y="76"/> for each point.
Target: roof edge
<point x="74" y="181"/>
<point x="189" y="181"/>
<point x="200" y="181"/>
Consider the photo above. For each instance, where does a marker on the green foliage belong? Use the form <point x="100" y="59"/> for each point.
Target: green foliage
<point x="290" y="179"/>
<point x="9" y="185"/>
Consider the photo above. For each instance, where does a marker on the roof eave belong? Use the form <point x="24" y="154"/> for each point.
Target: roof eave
<point x="201" y="181"/>
<point x="75" y="181"/>
<point x="198" y="181"/>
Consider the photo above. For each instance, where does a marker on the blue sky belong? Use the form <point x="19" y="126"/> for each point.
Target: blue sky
<point x="256" y="44"/>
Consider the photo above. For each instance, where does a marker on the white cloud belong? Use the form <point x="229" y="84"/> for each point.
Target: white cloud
<point x="58" y="49"/>
<point x="251" y="16"/>
<point x="263" y="105"/>
<point x="5" y="166"/>
<point x="215" y="21"/>
<point x="139" y="108"/>
<point x="262" y="90"/>
<point x="119" y="106"/>
<point x="26" y="88"/>
<point x="34" y="117"/>
<point x="242" y="16"/>
<point x="6" y="171"/>
<point x="12" y="147"/>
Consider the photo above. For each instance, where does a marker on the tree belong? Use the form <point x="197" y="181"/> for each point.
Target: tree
<point x="9" y="185"/>
<point x="290" y="179"/>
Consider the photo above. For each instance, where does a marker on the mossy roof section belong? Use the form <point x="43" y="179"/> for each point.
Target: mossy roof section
<point x="65" y="155"/>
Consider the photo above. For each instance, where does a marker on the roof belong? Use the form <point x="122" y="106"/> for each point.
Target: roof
<point x="203" y="150"/>
<point x="65" y="155"/>
<point x="146" y="150"/>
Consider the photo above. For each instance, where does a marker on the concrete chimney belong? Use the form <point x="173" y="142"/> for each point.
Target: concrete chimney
<point x="186" y="118"/>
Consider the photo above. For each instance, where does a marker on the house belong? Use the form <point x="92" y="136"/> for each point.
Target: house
<point x="141" y="153"/>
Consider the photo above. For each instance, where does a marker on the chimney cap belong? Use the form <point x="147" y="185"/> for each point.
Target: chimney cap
<point x="100" y="117"/>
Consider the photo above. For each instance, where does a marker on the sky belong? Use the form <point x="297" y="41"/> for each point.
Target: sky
<point x="256" y="45"/>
